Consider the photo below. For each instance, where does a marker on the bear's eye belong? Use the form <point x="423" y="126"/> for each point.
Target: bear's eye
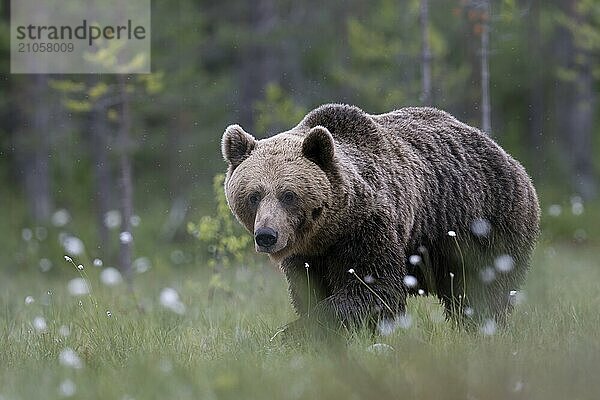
<point x="288" y="197"/>
<point x="254" y="199"/>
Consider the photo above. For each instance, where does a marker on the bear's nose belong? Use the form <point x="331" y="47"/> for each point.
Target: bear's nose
<point x="265" y="237"/>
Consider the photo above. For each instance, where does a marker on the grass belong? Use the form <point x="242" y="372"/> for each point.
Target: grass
<point x="220" y="349"/>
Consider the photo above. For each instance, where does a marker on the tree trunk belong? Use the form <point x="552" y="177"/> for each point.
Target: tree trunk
<point x="425" y="54"/>
<point x="126" y="181"/>
<point x="259" y="60"/>
<point x="536" y="110"/>
<point x="98" y="141"/>
<point x="486" y="119"/>
<point x="33" y="147"/>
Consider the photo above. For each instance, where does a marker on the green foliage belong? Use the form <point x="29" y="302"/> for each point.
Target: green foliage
<point x="220" y="233"/>
<point x="549" y="350"/>
<point x="277" y="111"/>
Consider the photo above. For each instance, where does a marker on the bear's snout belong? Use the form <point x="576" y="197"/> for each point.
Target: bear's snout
<point x="265" y="238"/>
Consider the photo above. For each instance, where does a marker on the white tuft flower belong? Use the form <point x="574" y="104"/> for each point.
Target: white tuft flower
<point x="306" y="265"/>
<point x="45" y="265"/>
<point x="135" y="220"/>
<point x="29" y="300"/>
<point x="452" y="233"/>
<point x="421" y="292"/>
<point x="414" y="259"/>
<point x="78" y="287"/>
<point x="108" y="313"/>
<point x="125" y="237"/>
<point x="60" y="218"/>
<point x="73" y="245"/>
<point x="169" y="298"/>
<point x="489" y="327"/>
<point x="98" y="262"/>
<point x="111" y="276"/>
<point x="67" y="388"/>
<point x="112" y="219"/>
<point x="27" y="234"/>
<point x="351" y="271"/>
<point x="141" y="265"/>
<point x="80" y="267"/>
<point x="410" y="281"/>
<point x="555" y="210"/>
<point x="39" y="323"/>
<point x="69" y="358"/>
<point x="68" y="259"/>
<point x="380" y="348"/>
<point x="487" y="275"/>
<point x="451" y="275"/>
<point x="64" y="331"/>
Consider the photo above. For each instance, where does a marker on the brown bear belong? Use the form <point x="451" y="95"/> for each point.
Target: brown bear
<point x="360" y="210"/>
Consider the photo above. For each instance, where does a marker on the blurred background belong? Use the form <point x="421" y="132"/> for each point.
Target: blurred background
<point x="121" y="169"/>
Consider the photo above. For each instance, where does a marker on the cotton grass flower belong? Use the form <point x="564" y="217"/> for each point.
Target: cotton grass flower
<point x="69" y="358"/>
<point x="504" y="263"/>
<point x="39" y="323"/>
<point x="29" y="300"/>
<point x="380" y="348"/>
<point x="451" y="233"/>
<point x="73" y="245"/>
<point x="60" y="218"/>
<point x="111" y="276"/>
<point x="169" y="298"/>
<point x="78" y="287"/>
<point x="489" y="327"/>
<point x="97" y="262"/>
<point x="67" y="388"/>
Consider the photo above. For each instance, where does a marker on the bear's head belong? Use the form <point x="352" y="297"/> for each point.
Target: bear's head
<point x="278" y="188"/>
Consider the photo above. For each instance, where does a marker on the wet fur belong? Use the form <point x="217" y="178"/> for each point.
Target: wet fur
<point x="386" y="187"/>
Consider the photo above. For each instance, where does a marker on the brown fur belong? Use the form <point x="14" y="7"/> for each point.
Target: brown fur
<point x="369" y="191"/>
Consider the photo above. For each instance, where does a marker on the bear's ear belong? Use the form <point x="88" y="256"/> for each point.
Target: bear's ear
<point x="318" y="147"/>
<point x="236" y="145"/>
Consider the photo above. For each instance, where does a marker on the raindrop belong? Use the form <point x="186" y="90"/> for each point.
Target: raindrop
<point x="125" y="237"/>
<point x="504" y="263"/>
<point x="487" y="275"/>
<point x="414" y="259"/>
<point x="481" y="227"/>
<point x="410" y="281"/>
